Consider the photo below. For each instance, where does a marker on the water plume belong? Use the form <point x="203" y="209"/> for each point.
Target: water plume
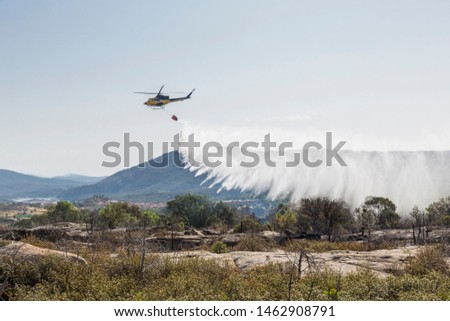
<point x="406" y="177"/>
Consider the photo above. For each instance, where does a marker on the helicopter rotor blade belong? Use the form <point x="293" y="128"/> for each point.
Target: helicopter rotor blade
<point x="145" y="93"/>
<point x="161" y="89"/>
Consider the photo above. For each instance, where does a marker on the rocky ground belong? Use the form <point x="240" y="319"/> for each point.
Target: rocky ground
<point x="196" y="243"/>
<point x="28" y="251"/>
<point x="381" y="262"/>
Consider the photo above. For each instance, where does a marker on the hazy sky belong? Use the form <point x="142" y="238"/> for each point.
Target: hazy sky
<point x="376" y="73"/>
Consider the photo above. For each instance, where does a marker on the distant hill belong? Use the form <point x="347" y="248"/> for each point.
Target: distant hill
<point x="16" y="185"/>
<point x="80" y="178"/>
<point x="150" y="183"/>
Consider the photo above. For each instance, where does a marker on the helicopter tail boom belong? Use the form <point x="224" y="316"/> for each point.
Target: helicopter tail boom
<point x="189" y="96"/>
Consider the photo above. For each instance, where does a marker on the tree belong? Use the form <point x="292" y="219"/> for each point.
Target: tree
<point x="323" y="215"/>
<point x="284" y="217"/>
<point x="365" y="219"/>
<point x="195" y="210"/>
<point x="384" y="210"/>
<point x="248" y="223"/>
<point x="309" y="215"/>
<point x="418" y="220"/>
<point x="63" y="211"/>
<point x="438" y="213"/>
<point x="90" y="217"/>
<point x="118" y="213"/>
<point x="335" y="213"/>
<point x="149" y="218"/>
<point x="225" y="213"/>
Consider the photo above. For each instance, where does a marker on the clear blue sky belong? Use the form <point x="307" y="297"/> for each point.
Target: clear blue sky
<point x="375" y="72"/>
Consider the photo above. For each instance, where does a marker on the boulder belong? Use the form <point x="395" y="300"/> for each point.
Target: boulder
<point x="29" y="252"/>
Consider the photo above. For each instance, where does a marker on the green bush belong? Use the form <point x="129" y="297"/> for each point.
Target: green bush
<point x="219" y="247"/>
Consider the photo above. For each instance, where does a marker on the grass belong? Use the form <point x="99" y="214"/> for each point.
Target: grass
<point x="121" y="278"/>
<point x="325" y="246"/>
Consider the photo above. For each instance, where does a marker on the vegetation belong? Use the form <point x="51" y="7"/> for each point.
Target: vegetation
<point x="430" y="258"/>
<point x="120" y="267"/>
<point x="113" y="215"/>
<point x="63" y="211"/>
<point x="322" y="216"/>
<point x="438" y="213"/>
<point x="121" y="278"/>
<point x="248" y="224"/>
<point x="383" y="210"/>
<point x="219" y="247"/>
<point x="254" y="244"/>
<point x="284" y="218"/>
<point x="198" y="211"/>
<point x="118" y="214"/>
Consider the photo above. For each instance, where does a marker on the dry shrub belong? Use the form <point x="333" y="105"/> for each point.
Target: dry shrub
<point x="429" y="258"/>
<point x="118" y="278"/>
<point x="255" y="244"/>
<point x="325" y="246"/>
<point x="121" y="278"/>
<point x="35" y="241"/>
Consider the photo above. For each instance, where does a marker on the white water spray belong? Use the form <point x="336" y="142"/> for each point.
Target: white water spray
<point x="408" y="178"/>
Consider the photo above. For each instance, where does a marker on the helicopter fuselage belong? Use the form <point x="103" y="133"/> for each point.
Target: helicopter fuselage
<point x="157" y="102"/>
<point x="161" y="100"/>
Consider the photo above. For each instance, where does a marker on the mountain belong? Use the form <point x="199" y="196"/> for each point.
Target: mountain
<point x="150" y="181"/>
<point x="154" y="182"/>
<point x="85" y="180"/>
<point x="16" y="185"/>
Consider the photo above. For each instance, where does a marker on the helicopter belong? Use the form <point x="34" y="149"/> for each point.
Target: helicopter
<point x="161" y="99"/>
